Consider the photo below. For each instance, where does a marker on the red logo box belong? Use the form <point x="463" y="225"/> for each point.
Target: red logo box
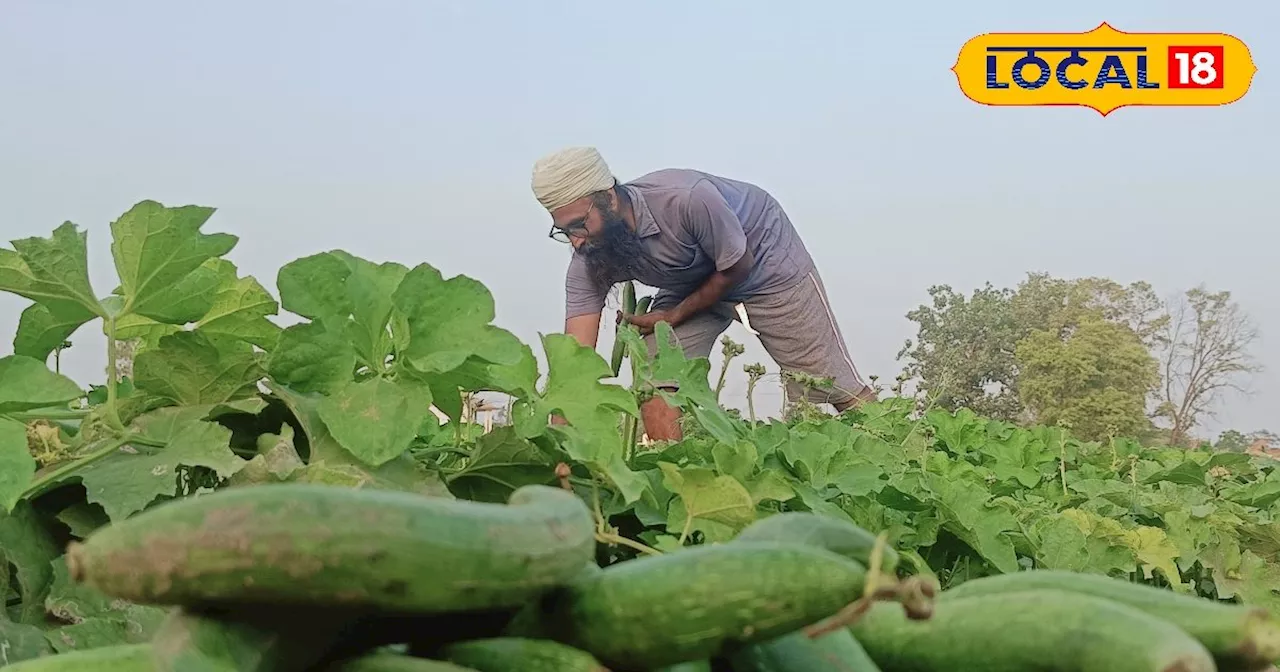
<point x="1196" y="67"/>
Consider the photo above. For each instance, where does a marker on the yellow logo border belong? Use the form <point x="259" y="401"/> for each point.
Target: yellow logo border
<point x="1104" y="27"/>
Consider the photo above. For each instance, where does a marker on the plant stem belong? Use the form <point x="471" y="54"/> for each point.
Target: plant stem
<point x="40" y="485"/>
<point x="629" y="439"/>
<point x="608" y="538"/>
<point x="1062" y="464"/>
<point x="113" y="415"/>
<point x="60" y="414"/>
<point x="751" y="401"/>
<point x="688" y="528"/>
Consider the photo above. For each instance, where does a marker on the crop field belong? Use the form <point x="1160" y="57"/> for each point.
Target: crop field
<point x="303" y="469"/>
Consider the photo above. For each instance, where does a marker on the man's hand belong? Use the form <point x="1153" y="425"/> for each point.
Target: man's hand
<point x="646" y="323"/>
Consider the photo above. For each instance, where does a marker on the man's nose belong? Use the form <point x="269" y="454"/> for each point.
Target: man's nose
<point x="577" y="241"/>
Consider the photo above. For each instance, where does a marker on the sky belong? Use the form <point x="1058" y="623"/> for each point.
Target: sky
<point x="406" y="131"/>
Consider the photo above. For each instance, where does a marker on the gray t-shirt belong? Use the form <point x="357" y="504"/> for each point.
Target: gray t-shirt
<point x="692" y="224"/>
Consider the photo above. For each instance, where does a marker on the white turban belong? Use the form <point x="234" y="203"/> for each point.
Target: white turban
<point x="569" y="174"/>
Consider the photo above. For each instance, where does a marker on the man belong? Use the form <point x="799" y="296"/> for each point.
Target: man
<point x="707" y="243"/>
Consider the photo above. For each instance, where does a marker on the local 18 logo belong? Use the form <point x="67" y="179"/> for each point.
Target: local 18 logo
<point x="1104" y="69"/>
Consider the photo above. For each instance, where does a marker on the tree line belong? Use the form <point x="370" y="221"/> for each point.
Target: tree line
<point x="1101" y="358"/>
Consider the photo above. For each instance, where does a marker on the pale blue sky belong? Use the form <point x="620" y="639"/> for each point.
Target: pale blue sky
<point x="406" y="130"/>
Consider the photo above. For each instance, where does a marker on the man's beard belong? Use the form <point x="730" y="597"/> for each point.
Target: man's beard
<point x="611" y="256"/>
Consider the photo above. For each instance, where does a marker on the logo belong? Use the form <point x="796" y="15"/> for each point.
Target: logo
<point x="1104" y="69"/>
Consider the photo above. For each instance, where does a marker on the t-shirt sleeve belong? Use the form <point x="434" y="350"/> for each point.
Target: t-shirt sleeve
<point x="714" y="225"/>
<point x="582" y="296"/>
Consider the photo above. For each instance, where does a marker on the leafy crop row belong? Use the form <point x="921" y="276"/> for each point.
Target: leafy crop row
<point x="221" y="396"/>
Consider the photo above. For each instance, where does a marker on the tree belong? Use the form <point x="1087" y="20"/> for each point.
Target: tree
<point x="1045" y="302"/>
<point x="1232" y="441"/>
<point x="1204" y="351"/>
<point x="1095" y="380"/>
<point x="965" y="351"/>
<point x="963" y="354"/>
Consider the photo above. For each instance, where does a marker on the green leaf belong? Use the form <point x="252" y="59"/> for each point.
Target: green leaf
<point x="26" y="384"/>
<point x="376" y="419"/>
<point x="770" y="485"/>
<point x="1186" y="473"/>
<point x="1074" y="541"/>
<point x="219" y="303"/>
<point x="694" y="394"/>
<point x="449" y="322"/>
<point x="42" y="328"/>
<point x="93" y="618"/>
<point x="962" y="432"/>
<point x="500" y="463"/>
<point x="371" y="287"/>
<point x="53" y="271"/>
<point x="239" y="308"/>
<point x="329" y="462"/>
<point x="973" y="518"/>
<point x="133" y="477"/>
<point x="19" y="642"/>
<point x="311" y="357"/>
<point x="28" y="546"/>
<point x="717" y="505"/>
<point x="16" y="464"/>
<point x="186" y="299"/>
<point x="192" y="368"/>
<point x="591" y="408"/>
<point x="1018" y="457"/>
<point x="82" y="518"/>
<point x="809" y="455"/>
<point x="146" y="331"/>
<point x="737" y="459"/>
<point x="156" y="247"/>
<point x="315" y="288"/>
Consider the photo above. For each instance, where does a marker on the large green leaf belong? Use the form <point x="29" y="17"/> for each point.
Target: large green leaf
<point x="188" y="298"/>
<point x="449" y="322"/>
<point x="155" y="248"/>
<point x="133" y="477"/>
<point x="376" y="419"/>
<point x="92" y="619"/>
<point x="239" y="308"/>
<point x="371" y="287"/>
<point x="352" y="296"/>
<point x="190" y="367"/>
<point x="312" y="357"/>
<point x="718" y="505"/>
<point x="53" y="271"/>
<point x="217" y="301"/>
<point x="591" y="409"/>
<point x="500" y="463"/>
<point x="19" y="642"/>
<point x="27" y="544"/>
<point x="43" y="328"/>
<point x="693" y="393"/>
<point x="328" y="462"/>
<point x="16" y="464"/>
<point x="26" y="383"/>
<point x="315" y="288"/>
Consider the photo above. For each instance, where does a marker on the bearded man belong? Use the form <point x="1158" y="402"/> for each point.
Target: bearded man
<point x="712" y="246"/>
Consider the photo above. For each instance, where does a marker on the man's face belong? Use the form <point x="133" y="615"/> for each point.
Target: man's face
<point x="601" y="235"/>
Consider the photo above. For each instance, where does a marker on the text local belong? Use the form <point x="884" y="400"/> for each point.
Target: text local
<point x="1111" y="72"/>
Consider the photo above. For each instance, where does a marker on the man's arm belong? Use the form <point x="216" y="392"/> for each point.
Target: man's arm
<point x="712" y="290"/>
<point x="583" y="302"/>
<point x="585" y="328"/>
<point x="708" y="217"/>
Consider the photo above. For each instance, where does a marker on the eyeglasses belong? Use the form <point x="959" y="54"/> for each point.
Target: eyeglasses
<point x="575" y="229"/>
